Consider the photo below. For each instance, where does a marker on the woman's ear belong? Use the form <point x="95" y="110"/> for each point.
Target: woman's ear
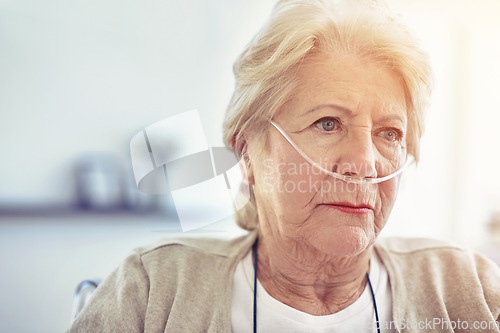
<point x="246" y="166"/>
<point x="240" y="147"/>
<point x="246" y="171"/>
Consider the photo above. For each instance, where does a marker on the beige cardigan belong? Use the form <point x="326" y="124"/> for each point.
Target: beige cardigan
<point x="185" y="286"/>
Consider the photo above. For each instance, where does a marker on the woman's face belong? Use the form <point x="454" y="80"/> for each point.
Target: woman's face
<point x="349" y="116"/>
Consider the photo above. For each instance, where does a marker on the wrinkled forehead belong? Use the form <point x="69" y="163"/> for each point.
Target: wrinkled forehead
<point x="348" y="84"/>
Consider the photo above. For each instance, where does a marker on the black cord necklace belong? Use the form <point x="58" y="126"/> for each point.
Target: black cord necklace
<point x="255" y="291"/>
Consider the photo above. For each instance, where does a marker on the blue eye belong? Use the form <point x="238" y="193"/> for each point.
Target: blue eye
<point x="327" y="124"/>
<point x="391" y="135"/>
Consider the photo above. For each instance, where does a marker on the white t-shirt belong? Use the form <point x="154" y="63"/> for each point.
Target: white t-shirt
<point x="274" y="316"/>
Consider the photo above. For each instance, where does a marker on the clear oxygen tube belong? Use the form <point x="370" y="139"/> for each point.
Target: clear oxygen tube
<point x="348" y="179"/>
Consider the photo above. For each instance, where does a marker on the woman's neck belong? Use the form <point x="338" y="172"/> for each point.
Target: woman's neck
<point x="308" y="281"/>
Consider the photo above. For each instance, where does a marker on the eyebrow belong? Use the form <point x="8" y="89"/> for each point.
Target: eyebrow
<point x="349" y="112"/>
<point x="394" y="116"/>
<point x="332" y="106"/>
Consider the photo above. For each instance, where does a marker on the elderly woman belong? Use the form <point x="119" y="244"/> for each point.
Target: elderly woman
<point x="326" y="113"/>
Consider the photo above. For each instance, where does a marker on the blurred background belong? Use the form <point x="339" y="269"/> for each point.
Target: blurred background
<point x="79" y="78"/>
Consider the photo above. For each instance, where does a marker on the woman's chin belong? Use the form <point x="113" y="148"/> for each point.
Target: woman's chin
<point x="343" y="241"/>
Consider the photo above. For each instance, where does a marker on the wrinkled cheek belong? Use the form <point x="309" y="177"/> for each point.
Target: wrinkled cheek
<point x="287" y="188"/>
<point x="291" y="187"/>
<point x="388" y="192"/>
<point x="281" y="204"/>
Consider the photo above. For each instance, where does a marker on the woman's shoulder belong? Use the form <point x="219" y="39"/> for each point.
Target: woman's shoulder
<point x="449" y="272"/>
<point x="180" y="247"/>
<point x="414" y="245"/>
<point x="433" y="252"/>
<point x="180" y="255"/>
<point x="142" y="289"/>
<point x="431" y="258"/>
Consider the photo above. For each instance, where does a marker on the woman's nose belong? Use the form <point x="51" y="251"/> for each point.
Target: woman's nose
<point x="357" y="157"/>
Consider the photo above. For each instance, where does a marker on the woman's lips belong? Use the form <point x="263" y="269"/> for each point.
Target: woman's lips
<point x="350" y="208"/>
